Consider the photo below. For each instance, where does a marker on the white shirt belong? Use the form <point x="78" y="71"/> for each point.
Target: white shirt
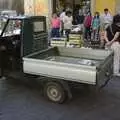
<point x="107" y="19"/>
<point x="67" y="22"/>
<point x="62" y="15"/>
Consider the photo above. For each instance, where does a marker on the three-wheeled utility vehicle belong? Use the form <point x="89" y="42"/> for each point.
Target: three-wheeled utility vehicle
<point x="24" y="51"/>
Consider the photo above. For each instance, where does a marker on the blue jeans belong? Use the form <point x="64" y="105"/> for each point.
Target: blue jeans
<point x="55" y="32"/>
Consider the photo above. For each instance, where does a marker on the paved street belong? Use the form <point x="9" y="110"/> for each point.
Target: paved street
<point x="20" y="102"/>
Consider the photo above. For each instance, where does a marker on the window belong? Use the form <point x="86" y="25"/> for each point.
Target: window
<point x="38" y="26"/>
<point x="13" y="27"/>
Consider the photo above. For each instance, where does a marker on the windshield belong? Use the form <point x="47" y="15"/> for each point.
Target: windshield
<point x="13" y="27"/>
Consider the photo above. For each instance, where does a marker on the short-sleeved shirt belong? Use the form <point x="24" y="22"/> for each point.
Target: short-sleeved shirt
<point x="56" y="23"/>
<point x="95" y="23"/>
<point x="111" y="31"/>
<point x="106" y="19"/>
<point x="67" y="22"/>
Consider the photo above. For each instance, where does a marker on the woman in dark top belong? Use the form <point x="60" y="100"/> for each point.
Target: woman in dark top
<point x="112" y="38"/>
<point x="111" y="31"/>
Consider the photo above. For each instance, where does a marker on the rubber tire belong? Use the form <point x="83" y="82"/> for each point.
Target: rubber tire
<point x="59" y="88"/>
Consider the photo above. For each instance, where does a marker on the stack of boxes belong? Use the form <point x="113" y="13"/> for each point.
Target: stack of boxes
<point x="59" y="42"/>
<point x="76" y="40"/>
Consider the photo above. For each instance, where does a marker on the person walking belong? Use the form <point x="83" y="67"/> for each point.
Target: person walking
<point x="62" y="15"/>
<point x="112" y="39"/>
<point x="55" y="24"/>
<point x="87" y="26"/>
<point x="96" y="27"/>
<point x="67" y="21"/>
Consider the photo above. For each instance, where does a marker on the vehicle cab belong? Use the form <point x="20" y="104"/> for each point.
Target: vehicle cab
<point x="19" y="37"/>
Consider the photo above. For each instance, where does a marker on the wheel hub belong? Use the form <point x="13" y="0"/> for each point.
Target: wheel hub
<point x="53" y="94"/>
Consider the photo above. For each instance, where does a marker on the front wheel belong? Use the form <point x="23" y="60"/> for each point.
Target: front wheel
<point x="55" y="92"/>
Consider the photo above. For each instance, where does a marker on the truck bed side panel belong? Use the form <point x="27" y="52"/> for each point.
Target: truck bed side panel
<point x="60" y="70"/>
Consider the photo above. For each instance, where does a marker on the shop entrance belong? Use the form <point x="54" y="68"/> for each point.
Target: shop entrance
<point x="59" y="5"/>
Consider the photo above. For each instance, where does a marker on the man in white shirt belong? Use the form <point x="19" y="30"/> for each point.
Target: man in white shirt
<point x="67" y="21"/>
<point x="106" y="19"/>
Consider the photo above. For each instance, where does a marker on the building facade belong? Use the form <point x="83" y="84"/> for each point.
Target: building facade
<point x="100" y="5"/>
<point x="17" y="5"/>
<point x="50" y="6"/>
<point x="5" y="4"/>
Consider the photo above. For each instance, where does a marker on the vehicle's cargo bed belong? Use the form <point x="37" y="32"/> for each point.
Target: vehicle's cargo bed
<point x="71" y="60"/>
<point x="74" y="64"/>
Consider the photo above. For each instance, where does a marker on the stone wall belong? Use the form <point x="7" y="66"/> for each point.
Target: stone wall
<point x="17" y="5"/>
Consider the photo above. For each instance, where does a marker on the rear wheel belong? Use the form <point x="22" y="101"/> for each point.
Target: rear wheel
<point x="55" y="92"/>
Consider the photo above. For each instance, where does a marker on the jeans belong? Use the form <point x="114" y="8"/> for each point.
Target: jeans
<point x="55" y="32"/>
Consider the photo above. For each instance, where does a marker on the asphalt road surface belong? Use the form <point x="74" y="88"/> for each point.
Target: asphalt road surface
<point x="21" y="102"/>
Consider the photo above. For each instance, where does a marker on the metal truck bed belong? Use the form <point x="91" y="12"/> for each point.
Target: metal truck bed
<point x="73" y="64"/>
<point x="71" y="60"/>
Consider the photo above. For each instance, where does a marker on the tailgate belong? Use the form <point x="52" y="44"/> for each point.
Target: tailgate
<point x="105" y="72"/>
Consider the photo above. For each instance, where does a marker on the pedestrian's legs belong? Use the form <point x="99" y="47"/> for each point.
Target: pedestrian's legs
<point x="62" y="28"/>
<point x="98" y="34"/>
<point x="57" y="32"/>
<point x="93" y="35"/>
<point x="116" y="64"/>
<point x="89" y="32"/>
<point x="85" y="33"/>
<point x="53" y="32"/>
<point x="67" y="32"/>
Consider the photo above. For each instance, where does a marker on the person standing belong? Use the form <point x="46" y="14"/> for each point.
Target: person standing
<point x="106" y="19"/>
<point x="62" y="15"/>
<point x="96" y="27"/>
<point x="87" y="26"/>
<point x="67" y="21"/>
<point x="79" y="17"/>
<point x="55" y="24"/>
<point x="112" y="39"/>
